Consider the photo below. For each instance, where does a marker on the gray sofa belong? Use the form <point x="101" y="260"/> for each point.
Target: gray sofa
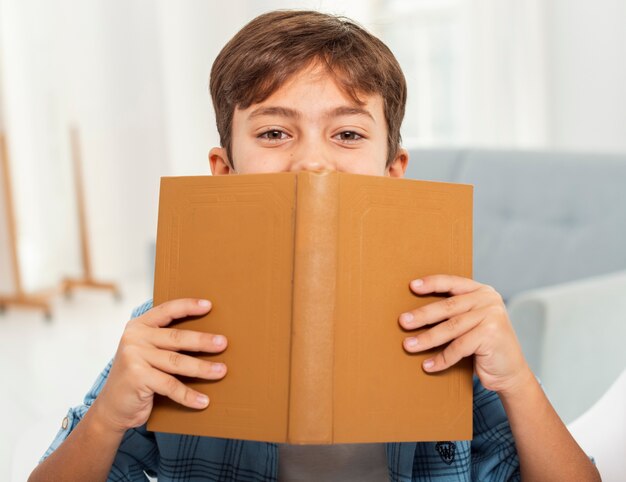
<point x="550" y="236"/>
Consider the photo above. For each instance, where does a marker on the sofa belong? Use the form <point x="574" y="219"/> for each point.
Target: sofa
<point x="550" y="236"/>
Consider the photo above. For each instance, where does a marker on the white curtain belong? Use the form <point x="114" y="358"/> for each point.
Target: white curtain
<point x="475" y="69"/>
<point x="95" y="64"/>
<point x="506" y="93"/>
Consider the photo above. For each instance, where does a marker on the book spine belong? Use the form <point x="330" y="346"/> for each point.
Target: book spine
<point x="314" y="280"/>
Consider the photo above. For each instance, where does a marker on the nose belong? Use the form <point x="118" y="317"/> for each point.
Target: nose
<point x="311" y="155"/>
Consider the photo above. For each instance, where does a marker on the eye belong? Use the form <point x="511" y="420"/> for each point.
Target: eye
<point x="349" y="136"/>
<point x="273" y="135"/>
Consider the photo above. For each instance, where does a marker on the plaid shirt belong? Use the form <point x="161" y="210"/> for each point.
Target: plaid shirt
<point x="490" y="456"/>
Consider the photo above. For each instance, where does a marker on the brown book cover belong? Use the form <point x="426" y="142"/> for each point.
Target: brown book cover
<point x="308" y="273"/>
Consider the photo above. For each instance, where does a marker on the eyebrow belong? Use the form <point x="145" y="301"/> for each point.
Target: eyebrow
<point x="294" y="114"/>
<point x="349" y="110"/>
<point x="279" y="111"/>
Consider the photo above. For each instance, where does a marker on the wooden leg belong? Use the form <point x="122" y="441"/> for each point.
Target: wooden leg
<point x="40" y="302"/>
<point x="20" y="298"/>
<point x="70" y="284"/>
<point x="87" y="281"/>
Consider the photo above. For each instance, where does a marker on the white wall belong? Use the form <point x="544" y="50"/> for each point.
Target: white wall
<point x="6" y="284"/>
<point x="115" y="94"/>
<point x="32" y="113"/>
<point x="97" y="65"/>
<point x="587" y="74"/>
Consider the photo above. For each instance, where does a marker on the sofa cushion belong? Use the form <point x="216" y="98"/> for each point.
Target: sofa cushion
<point x="540" y="218"/>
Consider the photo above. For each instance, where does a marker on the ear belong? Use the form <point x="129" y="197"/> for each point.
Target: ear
<point x="220" y="164"/>
<point x="398" y="166"/>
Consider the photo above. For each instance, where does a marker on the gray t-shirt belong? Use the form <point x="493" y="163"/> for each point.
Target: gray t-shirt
<point x="339" y="462"/>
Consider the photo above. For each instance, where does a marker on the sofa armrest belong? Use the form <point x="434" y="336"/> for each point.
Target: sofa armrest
<point x="573" y="337"/>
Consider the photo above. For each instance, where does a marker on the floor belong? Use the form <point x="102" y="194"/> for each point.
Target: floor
<point x="48" y="366"/>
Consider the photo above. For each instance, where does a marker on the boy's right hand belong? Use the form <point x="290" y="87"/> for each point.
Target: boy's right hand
<point x="146" y="360"/>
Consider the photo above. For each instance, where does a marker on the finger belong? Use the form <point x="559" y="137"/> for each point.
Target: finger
<point x="438" y="310"/>
<point x="444" y="283"/>
<point x="179" y="364"/>
<point x="187" y="340"/>
<point x="445" y="331"/>
<point x="460" y="348"/>
<point x="165" y="313"/>
<point x="170" y="387"/>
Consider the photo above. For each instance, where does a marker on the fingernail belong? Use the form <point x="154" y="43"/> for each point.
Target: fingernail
<point x="202" y="400"/>
<point x="410" y="342"/>
<point x="204" y="303"/>
<point x="217" y="367"/>
<point x="219" y="340"/>
<point x="416" y="283"/>
<point x="429" y="363"/>
<point x="406" y="318"/>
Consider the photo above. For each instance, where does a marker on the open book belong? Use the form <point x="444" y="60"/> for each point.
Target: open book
<point x="308" y="273"/>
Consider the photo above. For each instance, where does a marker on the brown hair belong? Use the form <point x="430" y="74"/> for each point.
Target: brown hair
<point x="266" y="52"/>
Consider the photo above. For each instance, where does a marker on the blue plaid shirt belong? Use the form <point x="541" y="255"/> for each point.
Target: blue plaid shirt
<point x="490" y="456"/>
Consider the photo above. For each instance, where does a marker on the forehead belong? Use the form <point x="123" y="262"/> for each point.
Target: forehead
<point x="315" y="86"/>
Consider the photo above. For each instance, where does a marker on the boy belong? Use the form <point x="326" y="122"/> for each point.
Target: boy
<point x="307" y="91"/>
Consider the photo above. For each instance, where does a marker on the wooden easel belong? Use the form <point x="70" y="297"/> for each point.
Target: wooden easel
<point x="20" y="298"/>
<point x="87" y="281"/>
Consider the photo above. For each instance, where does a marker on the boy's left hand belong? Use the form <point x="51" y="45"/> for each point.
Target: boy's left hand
<point x="474" y="321"/>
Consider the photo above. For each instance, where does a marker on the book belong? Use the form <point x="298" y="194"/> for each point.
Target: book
<point x="308" y="273"/>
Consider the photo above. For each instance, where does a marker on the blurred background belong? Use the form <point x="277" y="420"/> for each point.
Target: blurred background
<point x="542" y="77"/>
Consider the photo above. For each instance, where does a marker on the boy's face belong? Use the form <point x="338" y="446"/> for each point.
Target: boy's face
<point x="310" y="124"/>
